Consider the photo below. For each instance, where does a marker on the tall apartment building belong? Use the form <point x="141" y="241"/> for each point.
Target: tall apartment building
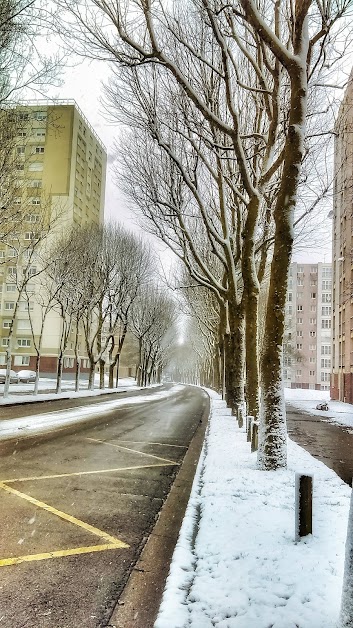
<point x="307" y="347"/>
<point x="61" y="162"/>
<point x="342" y="367"/>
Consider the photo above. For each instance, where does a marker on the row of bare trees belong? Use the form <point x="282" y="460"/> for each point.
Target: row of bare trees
<point x="94" y="285"/>
<point x="228" y="106"/>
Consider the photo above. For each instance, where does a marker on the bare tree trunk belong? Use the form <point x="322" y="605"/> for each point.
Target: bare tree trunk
<point x="59" y="372"/>
<point x="101" y="373"/>
<point x="117" y="369"/>
<point x="91" y="375"/>
<point x="235" y="358"/>
<point x="37" y="369"/>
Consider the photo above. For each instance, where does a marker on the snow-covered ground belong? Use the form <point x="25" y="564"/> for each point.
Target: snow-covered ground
<point x="23" y="393"/>
<point x="306" y="400"/>
<point x="236" y="563"/>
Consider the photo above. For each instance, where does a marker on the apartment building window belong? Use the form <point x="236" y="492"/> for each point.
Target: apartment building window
<point x="299" y="320"/>
<point x="312" y="347"/>
<point x="326" y="310"/>
<point x="290" y="296"/>
<point x="313" y="282"/>
<point x="11" y="287"/>
<point x="313" y="295"/>
<point x="299" y="308"/>
<point x="289" y="309"/>
<point x="23" y="324"/>
<point x="68" y="362"/>
<point x="325" y="349"/>
<point x="11" y="252"/>
<point x="326" y="284"/>
<point x="5" y="342"/>
<point x="326" y="323"/>
<point x="312" y="321"/>
<point x="300" y="281"/>
<point x="21" y="134"/>
<point x="313" y="308"/>
<point x="39" y="150"/>
<point x="327" y="272"/>
<point x="326" y="297"/>
<point x="299" y="295"/>
<point x="6" y="324"/>
<point x="40" y="133"/>
<point x="32" y="271"/>
<point x="20" y="167"/>
<point x="35" y="201"/>
<point x="20" y="150"/>
<point x="299" y="360"/>
<point x="312" y="360"/>
<point x="39" y="115"/>
<point x="23" y="116"/>
<point x="325" y="377"/>
<point x="24" y="306"/>
<point x="325" y="363"/>
<point x="300" y="333"/>
<point x="312" y="333"/>
<point x="35" y="166"/>
<point x="312" y="372"/>
<point x="299" y="345"/>
<point x="12" y="271"/>
<point x="35" y="183"/>
<point x="32" y="218"/>
<point x="23" y="342"/>
<point x="300" y="269"/>
<point x="2" y="253"/>
<point x="313" y="269"/>
<point x="21" y="360"/>
<point x="298" y="372"/>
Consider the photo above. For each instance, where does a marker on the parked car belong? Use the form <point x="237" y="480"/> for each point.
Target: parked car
<point x="26" y="376"/>
<point x="13" y="377"/>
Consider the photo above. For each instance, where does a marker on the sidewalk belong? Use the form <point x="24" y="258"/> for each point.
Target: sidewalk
<point x="236" y="564"/>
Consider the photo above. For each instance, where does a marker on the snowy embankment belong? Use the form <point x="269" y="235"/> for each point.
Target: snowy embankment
<point x="23" y="393"/>
<point x="236" y="563"/>
<point x="306" y="400"/>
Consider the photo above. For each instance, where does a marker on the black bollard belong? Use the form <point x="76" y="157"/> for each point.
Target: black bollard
<point x="303" y="505"/>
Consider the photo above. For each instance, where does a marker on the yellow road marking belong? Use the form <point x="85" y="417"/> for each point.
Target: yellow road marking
<point x="58" y="554"/>
<point x="65" y="516"/>
<point x="143" y="442"/>
<point x="142" y="453"/>
<point x="78" y="473"/>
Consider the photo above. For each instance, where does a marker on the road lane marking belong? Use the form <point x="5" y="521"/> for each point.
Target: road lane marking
<point x="65" y="516"/>
<point x="142" y="453"/>
<point x="78" y="473"/>
<point x="58" y="554"/>
<point x="143" y="442"/>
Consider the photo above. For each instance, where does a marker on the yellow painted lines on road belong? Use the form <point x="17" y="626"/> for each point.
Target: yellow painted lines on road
<point x="64" y="515"/>
<point x="79" y="473"/>
<point x="75" y="551"/>
<point x="135" y="451"/>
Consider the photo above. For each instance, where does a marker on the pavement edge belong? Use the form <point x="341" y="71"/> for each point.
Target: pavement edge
<point x="139" y="602"/>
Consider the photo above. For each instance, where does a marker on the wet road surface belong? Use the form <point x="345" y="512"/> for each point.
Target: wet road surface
<point x="330" y="443"/>
<point x="75" y="510"/>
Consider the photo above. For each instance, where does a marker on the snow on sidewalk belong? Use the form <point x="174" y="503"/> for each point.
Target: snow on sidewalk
<point x="236" y="564"/>
<point x="306" y="401"/>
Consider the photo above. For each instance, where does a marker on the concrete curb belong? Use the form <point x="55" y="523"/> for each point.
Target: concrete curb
<point x="139" y="602"/>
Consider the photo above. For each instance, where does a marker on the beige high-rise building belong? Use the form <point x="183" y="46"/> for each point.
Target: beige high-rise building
<point x="342" y="367"/>
<point x="307" y="347"/>
<point x="61" y="162"/>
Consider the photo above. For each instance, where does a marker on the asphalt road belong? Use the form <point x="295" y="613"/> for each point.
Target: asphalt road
<point x="330" y="443"/>
<point x="76" y="508"/>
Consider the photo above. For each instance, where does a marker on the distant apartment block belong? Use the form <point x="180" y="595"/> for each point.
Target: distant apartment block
<point x="342" y="366"/>
<point x="61" y="162"/>
<point x="307" y="346"/>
